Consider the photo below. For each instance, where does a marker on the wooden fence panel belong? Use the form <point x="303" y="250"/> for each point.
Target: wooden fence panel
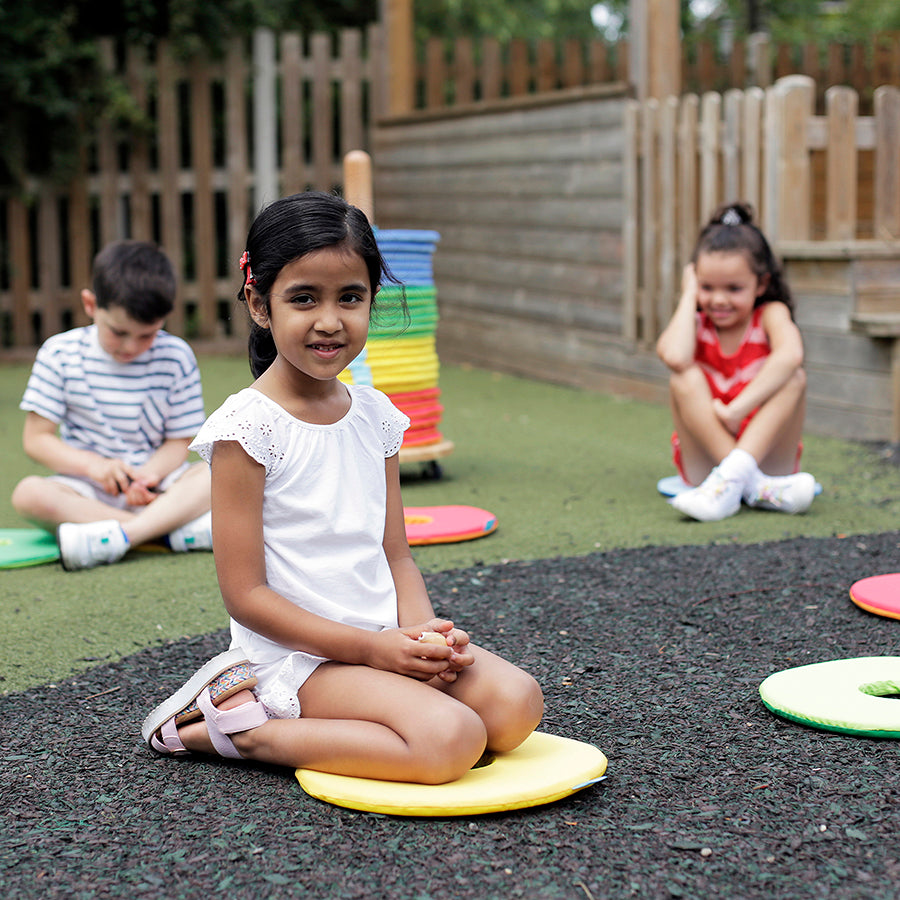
<point x="186" y="183"/>
<point x="887" y="163"/>
<point x="139" y="202"/>
<point x="292" y="128"/>
<point x="842" y="171"/>
<point x="201" y="163"/>
<point x="649" y="226"/>
<point x="688" y="220"/>
<point x="237" y="162"/>
<point x="751" y="154"/>
<point x="766" y="148"/>
<point x="18" y="233"/>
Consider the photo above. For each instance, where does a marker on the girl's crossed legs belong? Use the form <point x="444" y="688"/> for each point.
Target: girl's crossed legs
<point x="375" y="724"/>
<point x="771" y="437"/>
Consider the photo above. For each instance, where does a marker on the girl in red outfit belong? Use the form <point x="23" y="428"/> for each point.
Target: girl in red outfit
<point x="737" y="385"/>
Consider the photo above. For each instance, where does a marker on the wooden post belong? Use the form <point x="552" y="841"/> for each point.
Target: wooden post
<point x="397" y="16"/>
<point x="358" y="182"/>
<point x="655" y="60"/>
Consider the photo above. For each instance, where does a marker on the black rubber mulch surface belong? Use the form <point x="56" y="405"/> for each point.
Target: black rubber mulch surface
<point x="654" y="655"/>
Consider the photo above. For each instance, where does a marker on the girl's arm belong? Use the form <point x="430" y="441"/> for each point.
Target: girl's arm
<point x="413" y="605"/>
<point x="238" y="483"/>
<point x="676" y="346"/>
<point x="785" y="358"/>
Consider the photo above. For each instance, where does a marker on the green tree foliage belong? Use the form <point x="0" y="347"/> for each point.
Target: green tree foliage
<point x="53" y="84"/>
<point x="49" y="80"/>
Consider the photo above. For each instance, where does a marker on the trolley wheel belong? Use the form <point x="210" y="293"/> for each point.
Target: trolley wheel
<point x="432" y="469"/>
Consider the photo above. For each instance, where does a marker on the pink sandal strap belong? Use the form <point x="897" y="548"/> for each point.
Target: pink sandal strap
<point x="237" y="678"/>
<point x="170" y="743"/>
<point x="222" y="722"/>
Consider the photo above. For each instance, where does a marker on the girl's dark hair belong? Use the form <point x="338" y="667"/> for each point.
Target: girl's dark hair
<point x="290" y="228"/>
<point x="731" y="229"/>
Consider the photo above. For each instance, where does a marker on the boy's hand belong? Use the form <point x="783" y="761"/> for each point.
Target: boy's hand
<point x="138" y="494"/>
<point x="113" y="475"/>
<point x="143" y="488"/>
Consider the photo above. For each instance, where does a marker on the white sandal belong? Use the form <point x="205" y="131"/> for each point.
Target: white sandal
<point x="220" y="678"/>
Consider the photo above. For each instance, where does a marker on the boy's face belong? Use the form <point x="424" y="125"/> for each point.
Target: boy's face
<point x="121" y="336"/>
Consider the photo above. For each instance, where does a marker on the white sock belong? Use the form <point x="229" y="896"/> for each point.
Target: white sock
<point x="741" y="467"/>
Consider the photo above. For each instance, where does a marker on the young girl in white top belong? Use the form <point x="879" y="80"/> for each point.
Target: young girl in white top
<point x="737" y="385"/>
<point x="327" y="670"/>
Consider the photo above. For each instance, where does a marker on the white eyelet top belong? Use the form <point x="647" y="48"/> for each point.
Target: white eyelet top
<point x="323" y="520"/>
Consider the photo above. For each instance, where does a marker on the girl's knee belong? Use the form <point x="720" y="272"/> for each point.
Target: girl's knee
<point x="450" y="748"/>
<point x="518" y="711"/>
<point x="686" y="382"/>
<point x="798" y="380"/>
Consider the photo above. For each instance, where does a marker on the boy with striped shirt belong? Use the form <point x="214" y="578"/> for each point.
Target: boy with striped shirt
<point x="111" y="409"/>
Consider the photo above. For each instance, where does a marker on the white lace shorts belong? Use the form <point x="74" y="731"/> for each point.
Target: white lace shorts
<point x="278" y="683"/>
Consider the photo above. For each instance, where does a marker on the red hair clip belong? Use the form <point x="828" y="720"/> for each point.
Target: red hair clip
<point x="245" y="267"/>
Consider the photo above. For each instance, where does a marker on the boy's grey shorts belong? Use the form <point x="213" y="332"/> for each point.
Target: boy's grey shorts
<point x="90" y="489"/>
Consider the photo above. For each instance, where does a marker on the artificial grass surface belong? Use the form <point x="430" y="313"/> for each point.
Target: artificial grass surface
<point x="567" y="473"/>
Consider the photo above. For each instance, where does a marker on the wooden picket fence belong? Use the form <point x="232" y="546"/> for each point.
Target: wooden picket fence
<point x="462" y="71"/>
<point x="192" y="182"/>
<point x="834" y="177"/>
<point x="219" y="145"/>
<point x="759" y="62"/>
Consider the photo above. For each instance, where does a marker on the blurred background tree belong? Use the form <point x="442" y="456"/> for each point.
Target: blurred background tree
<point x="51" y="78"/>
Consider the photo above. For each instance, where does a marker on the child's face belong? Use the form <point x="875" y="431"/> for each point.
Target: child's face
<point x="318" y="313"/>
<point x="121" y="336"/>
<point x="727" y="288"/>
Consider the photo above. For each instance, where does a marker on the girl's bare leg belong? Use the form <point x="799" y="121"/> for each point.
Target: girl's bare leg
<point x="771" y="437"/>
<point x="363" y="722"/>
<point x="705" y="441"/>
<point x="774" y="433"/>
<point x="508" y="700"/>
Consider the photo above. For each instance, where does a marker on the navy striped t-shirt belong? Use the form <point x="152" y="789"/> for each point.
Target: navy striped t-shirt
<point x="119" y="410"/>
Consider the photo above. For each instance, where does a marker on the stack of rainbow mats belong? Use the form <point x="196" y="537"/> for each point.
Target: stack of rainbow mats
<point x="402" y="361"/>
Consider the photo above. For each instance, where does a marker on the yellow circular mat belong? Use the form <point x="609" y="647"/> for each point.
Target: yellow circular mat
<point x="542" y="769"/>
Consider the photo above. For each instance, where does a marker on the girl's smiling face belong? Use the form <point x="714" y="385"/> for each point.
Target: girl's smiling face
<point x="318" y="311"/>
<point x="727" y="288"/>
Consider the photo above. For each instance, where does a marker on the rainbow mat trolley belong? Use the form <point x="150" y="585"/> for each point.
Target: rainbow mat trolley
<point x="402" y="361"/>
<point x="400" y="357"/>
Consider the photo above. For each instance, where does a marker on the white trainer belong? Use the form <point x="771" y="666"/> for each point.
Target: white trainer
<point x="717" y="498"/>
<point x="195" y="535"/>
<point x="785" y="493"/>
<point x="83" y="546"/>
